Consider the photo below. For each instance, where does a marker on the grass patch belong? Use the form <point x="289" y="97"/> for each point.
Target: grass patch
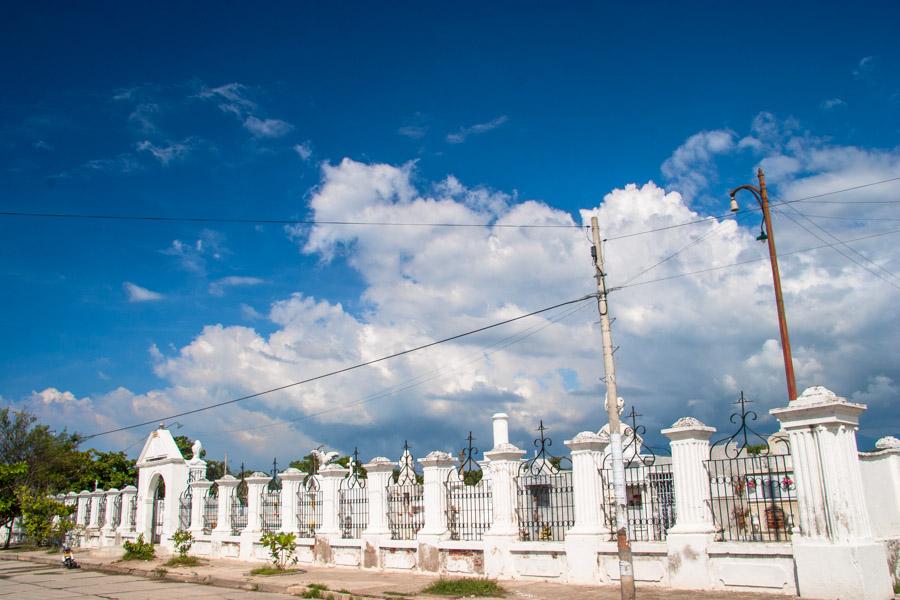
<point x="160" y="572"/>
<point x="183" y="561"/>
<point x="273" y="571"/>
<point x="465" y="587"/>
<point x="314" y="590"/>
<point x="23" y="548"/>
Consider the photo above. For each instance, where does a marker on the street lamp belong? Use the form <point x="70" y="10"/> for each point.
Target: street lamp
<point x="762" y="198"/>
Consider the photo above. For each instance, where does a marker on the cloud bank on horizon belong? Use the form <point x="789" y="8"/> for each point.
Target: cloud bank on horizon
<point x="688" y="345"/>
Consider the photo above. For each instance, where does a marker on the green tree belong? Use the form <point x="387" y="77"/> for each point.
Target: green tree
<point x="106" y="470"/>
<point x="11" y="477"/>
<point x="53" y="458"/>
<point x="43" y="518"/>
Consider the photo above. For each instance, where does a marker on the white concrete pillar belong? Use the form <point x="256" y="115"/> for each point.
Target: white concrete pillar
<point x="108" y="527"/>
<point x="688" y="540"/>
<point x="330" y="477"/>
<point x="500" y="422"/>
<point x="129" y="497"/>
<point x="505" y="461"/>
<point x="256" y="483"/>
<point x="834" y="552"/>
<point x="379" y="472"/>
<point x="591" y="529"/>
<point x="83" y="500"/>
<point x="689" y="440"/>
<point x="199" y="491"/>
<point x="436" y="468"/>
<point x="291" y="480"/>
<point x="95" y="509"/>
<point x="226" y="487"/>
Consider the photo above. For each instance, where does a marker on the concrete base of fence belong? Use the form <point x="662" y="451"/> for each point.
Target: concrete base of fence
<point x="688" y="558"/>
<point x="498" y="560"/>
<point x="582" y="564"/>
<point x="829" y="570"/>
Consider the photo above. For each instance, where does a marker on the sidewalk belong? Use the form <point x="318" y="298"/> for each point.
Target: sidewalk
<point x="344" y="583"/>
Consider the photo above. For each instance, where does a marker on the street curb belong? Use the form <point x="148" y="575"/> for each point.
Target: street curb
<point x="291" y="589"/>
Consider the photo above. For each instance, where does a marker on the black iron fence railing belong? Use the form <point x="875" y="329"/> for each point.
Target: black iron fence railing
<point x="270" y="509"/>
<point x="469" y="509"/>
<point x="353" y="510"/>
<point x="210" y="510"/>
<point x="545" y="506"/>
<point x="405" y="510"/>
<point x="753" y="498"/>
<point x="650" y="500"/>
<point x="309" y="508"/>
<point x="117" y="511"/>
<point x="132" y="509"/>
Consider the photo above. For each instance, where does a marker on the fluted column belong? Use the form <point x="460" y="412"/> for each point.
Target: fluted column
<point x="107" y="526"/>
<point x="378" y="471"/>
<point x="199" y="491"/>
<point x="504" y="462"/>
<point x="95" y="509"/>
<point x="689" y="440"/>
<point x="81" y="513"/>
<point x="587" y="452"/>
<point x="834" y="552"/>
<point x="436" y="468"/>
<point x="291" y="480"/>
<point x="591" y="527"/>
<point x="255" y="485"/>
<point x="226" y="486"/>
<point x="129" y="496"/>
<point x="331" y="476"/>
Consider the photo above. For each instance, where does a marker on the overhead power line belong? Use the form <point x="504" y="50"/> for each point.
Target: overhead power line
<point x="255" y="221"/>
<point x="421" y="379"/>
<point x="757" y="208"/>
<point x="152" y="218"/>
<point x="750" y="260"/>
<point x="836" y="247"/>
<point x="342" y="370"/>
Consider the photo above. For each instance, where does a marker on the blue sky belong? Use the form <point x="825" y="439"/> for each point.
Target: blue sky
<point x="233" y="111"/>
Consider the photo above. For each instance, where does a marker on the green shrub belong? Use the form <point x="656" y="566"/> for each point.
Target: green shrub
<point x="139" y="550"/>
<point x="282" y="548"/>
<point x="465" y="587"/>
<point x="183" y="541"/>
<point x="183" y="561"/>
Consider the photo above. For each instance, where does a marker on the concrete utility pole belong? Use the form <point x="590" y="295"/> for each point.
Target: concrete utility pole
<point x="626" y="566"/>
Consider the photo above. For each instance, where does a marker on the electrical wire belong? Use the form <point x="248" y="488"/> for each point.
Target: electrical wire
<point x="424" y="378"/>
<point x="841" y="252"/>
<point x="151" y="218"/>
<point x="757" y="208"/>
<point x="344" y="369"/>
<point x="676" y="253"/>
<point x="748" y="261"/>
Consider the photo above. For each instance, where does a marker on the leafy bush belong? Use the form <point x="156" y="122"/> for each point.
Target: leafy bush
<point x="183" y="541"/>
<point x="465" y="587"/>
<point x="139" y="550"/>
<point x="282" y="548"/>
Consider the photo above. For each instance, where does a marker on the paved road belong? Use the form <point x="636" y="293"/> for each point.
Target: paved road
<point x="32" y="581"/>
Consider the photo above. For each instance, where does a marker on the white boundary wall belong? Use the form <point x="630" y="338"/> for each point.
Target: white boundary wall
<point x="688" y="559"/>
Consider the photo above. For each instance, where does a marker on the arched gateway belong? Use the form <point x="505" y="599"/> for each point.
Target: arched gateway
<point x="162" y="478"/>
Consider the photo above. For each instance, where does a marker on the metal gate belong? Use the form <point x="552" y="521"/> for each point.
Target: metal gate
<point x="159" y="514"/>
<point x="159" y="511"/>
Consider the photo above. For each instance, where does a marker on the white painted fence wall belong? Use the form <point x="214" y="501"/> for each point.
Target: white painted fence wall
<point x="689" y="557"/>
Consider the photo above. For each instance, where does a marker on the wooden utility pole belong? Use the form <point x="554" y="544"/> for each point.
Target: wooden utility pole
<point x="762" y="198"/>
<point x="626" y="566"/>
